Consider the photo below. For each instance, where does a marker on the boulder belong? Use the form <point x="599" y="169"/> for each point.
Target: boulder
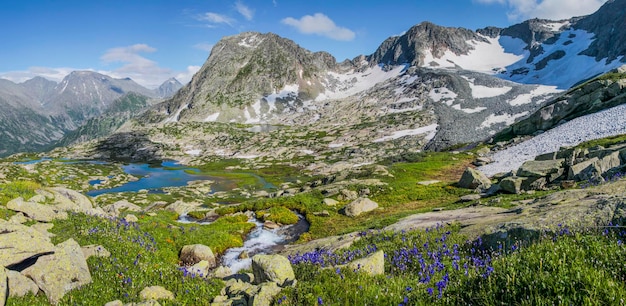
<point x="44" y="228"/>
<point x="60" y="272"/>
<point x="551" y="169"/>
<point x="330" y="202"/>
<point x="194" y="253"/>
<point x="609" y="162"/>
<point x="144" y="303"/>
<point x="238" y="288"/>
<point x="200" y="269"/>
<point x="273" y="268"/>
<point x="512" y="184"/>
<point x="70" y="200"/>
<point x="116" y="208"/>
<point x="359" y="206"/>
<point x="182" y="208"/>
<point x="156" y="293"/>
<point x="20" y="285"/>
<point x="95" y="250"/>
<point x="36" y="211"/>
<point x="585" y="170"/>
<point x="266" y="294"/>
<point x="4" y="286"/>
<point x="323" y="213"/>
<point x="427" y="183"/>
<point x="373" y="264"/>
<point x="114" y="303"/>
<point x="348" y="194"/>
<point x="222" y="272"/>
<point x="20" y="242"/>
<point x="270" y="225"/>
<point x="473" y="179"/>
<point x="130" y="218"/>
<point x="470" y="197"/>
<point x="19" y="218"/>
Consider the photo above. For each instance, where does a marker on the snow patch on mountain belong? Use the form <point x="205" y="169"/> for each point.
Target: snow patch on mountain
<point x="174" y="118"/>
<point x="561" y="63"/>
<point x="430" y="129"/>
<point x="342" y="85"/>
<point x="212" y="117"/>
<point x="442" y="93"/>
<point x="506" y="118"/>
<point x="487" y="57"/>
<point x="539" y="91"/>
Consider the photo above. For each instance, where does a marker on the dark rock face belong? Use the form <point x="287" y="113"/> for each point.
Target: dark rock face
<point x="409" y="48"/>
<point x="608" y="23"/>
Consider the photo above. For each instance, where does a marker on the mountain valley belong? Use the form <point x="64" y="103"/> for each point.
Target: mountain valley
<point x="450" y="166"/>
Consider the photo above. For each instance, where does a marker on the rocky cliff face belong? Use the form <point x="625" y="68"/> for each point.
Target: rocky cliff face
<point x="422" y="41"/>
<point x="608" y="25"/>
<point x="242" y="69"/>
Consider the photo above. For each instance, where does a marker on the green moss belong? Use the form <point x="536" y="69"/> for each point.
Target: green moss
<point x="198" y="215"/>
<point x="12" y="190"/>
<point x="281" y="215"/>
<point x="605" y="142"/>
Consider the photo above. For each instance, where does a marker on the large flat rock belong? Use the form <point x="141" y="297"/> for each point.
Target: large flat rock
<point x="19" y="242"/>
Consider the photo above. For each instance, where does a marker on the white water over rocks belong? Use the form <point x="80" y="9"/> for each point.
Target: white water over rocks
<point x="258" y="241"/>
<point x="609" y="122"/>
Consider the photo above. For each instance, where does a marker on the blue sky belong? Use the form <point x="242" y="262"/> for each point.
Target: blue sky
<point x="152" y="40"/>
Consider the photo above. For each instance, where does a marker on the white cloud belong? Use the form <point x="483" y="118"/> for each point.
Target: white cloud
<point x="216" y="18"/>
<point x="185" y="76"/>
<point x="546" y="9"/>
<point x="319" y="24"/>
<point x="53" y="74"/>
<point x="204" y="46"/>
<point x="244" y="10"/>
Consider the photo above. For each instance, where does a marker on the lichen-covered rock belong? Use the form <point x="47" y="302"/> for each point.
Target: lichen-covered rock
<point x="95" y="250"/>
<point x="237" y="287"/>
<point x="58" y="273"/>
<point x="20" y="285"/>
<point x="473" y="179"/>
<point x="373" y="264"/>
<point x="194" y="253"/>
<point x="116" y="208"/>
<point x="114" y="303"/>
<point x="330" y="202"/>
<point x="359" y="206"/>
<point x="201" y="269"/>
<point x="266" y="294"/>
<point x="130" y="218"/>
<point x="36" y="211"/>
<point x="156" y="293"/>
<point x="272" y="268"/>
<point x="512" y="184"/>
<point x="551" y="169"/>
<point x="222" y="272"/>
<point x="20" y="242"/>
<point x="584" y="170"/>
<point x="4" y="286"/>
<point x="70" y="200"/>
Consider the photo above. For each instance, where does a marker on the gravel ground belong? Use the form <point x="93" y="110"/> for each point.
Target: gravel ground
<point x="602" y="124"/>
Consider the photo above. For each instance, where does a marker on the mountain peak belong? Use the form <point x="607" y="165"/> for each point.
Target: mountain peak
<point x="169" y="88"/>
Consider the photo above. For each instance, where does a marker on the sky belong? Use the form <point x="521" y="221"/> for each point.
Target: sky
<point x="153" y="40"/>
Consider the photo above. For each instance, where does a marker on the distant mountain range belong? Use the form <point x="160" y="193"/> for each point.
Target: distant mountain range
<point x="39" y="112"/>
<point x="464" y="85"/>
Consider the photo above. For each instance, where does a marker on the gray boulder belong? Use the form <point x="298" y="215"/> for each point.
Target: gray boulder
<point x="348" y="194"/>
<point x="359" y="206"/>
<point x="266" y="294"/>
<point x="550" y="169"/>
<point x="116" y="208"/>
<point x="330" y="202"/>
<point x="70" y="200"/>
<point x="95" y="250"/>
<point x="373" y="264"/>
<point x="60" y="272"/>
<point x="20" y="242"/>
<point x="512" y="184"/>
<point x="36" y="211"/>
<point x="272" y="268"/>
<point x="155" y="293"/>
<point x="4" y="286"/>
<point x="20" y="285"/>
<point x="473" y="179"/>
<point x="194" y="253"/>
<point x="585" y="170"/>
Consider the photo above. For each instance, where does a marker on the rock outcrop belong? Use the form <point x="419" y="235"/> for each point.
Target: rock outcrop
<point x="360" y="206"/>
<point x="272" y="268"/>
<point x="474" y="179"/>
<point x="194" y="253"/>
<point x="20" y="242"/>
<point x="58" y="273"/>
